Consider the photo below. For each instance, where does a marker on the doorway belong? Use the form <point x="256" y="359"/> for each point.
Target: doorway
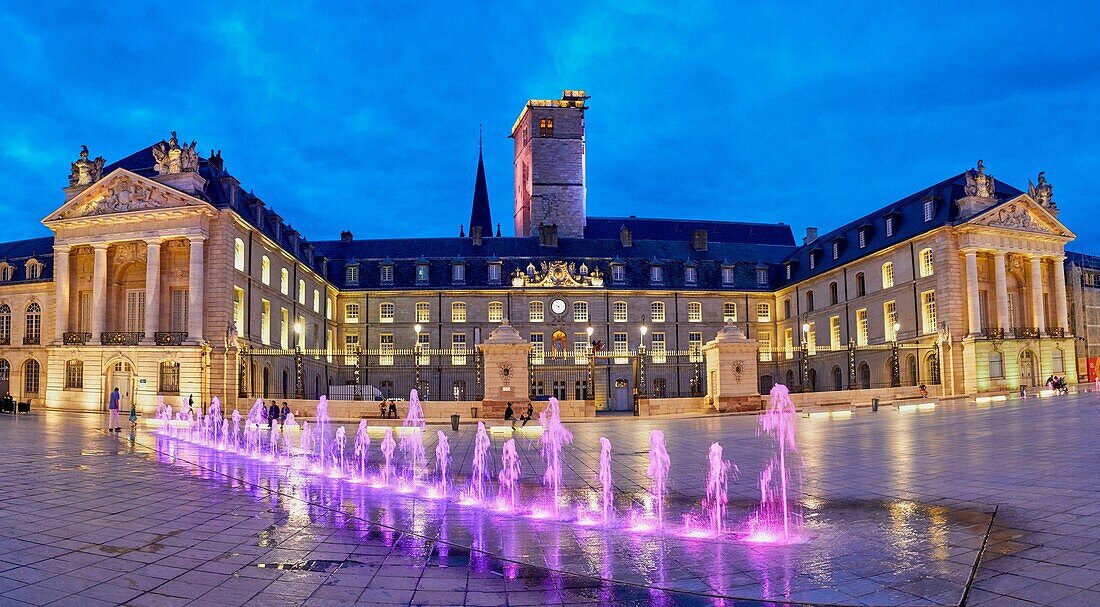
<point x="1027" y="368"/>
<point x="620" y="396"/>
<point x="120" y="376"/>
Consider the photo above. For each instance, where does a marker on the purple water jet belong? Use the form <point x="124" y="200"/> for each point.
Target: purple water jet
<point x="442" y="460"/>
<point x="718" y="471"/>
<point x="509" y="473"/>
<point x="362" y="449"/>
<point x="554" y="436"/>
<point x="658" y="472"/>
<point x="607" y="490"/>
<point x="388" y="445"/>
<point x="777" y="519"/>
<point x="481" y="464"/>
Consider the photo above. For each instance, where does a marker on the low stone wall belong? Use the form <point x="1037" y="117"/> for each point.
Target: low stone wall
<point x="855" y="398"/>
<point x="670" y="406"/>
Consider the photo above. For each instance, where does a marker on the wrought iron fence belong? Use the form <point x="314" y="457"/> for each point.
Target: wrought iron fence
<point x="852" y="368"/>
<point x="581" y="375"/>
<point x="363" y="374"/>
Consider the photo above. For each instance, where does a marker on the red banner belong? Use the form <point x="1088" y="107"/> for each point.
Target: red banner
<point x="1093" y="371"/>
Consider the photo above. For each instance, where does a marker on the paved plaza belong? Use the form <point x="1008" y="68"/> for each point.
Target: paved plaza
<point x="903" y="505"/>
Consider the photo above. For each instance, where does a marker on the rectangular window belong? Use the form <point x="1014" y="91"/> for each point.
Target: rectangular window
<point x="385" y="349"/>
<point x="135" y="311"/>
<point x="887" y="275"/>
<point x="729" y="311"/>
<point x="301" y="292"/>
<point x="889" y="319"/>
<point x="351" y="348"/>
<point x="238" y="310"/>
<point x="494" y="272"/>
<point x="74" y="375"/>
<point x="983" y="307"/>
<point x="929" y="208"/>
<point x="788" y="269"/>
<point x="316" y="301"/>
<point x="458" y="348"/>
<point x="657" y="311"/>
<point x="695" y="346"/>
<point x="179" y="310"/>
<point x="764" y="342"/>
<point x="762" y="276"/>
<point x="695" y="312"/>
<point x="581" y="348"/>
<point x="657" y="347"/>
<point x="619" y="313"/>
<point x="788" y="343"/>
<point x="811" y="339"/>
<point x="928" y="312"/>
<point x="536" y="311"/>
<point x="352" y="277"/>
<point x="538" y="348"/>
<point x="422" y="274"/>
<point x="836" y="250"/>
<point x="889" y="226"/>
<point x="458" y="273"/>
<point x="424" y="348"/>
<point x="618" y="273"/>
<point x="727" y="276"/>
<point x="621" y="346"/>
<point x="423" y="312"/>
<point x="169" y="380"/>
<point x="834" y="332"/>
<point x="351" y="313"/>
<point x="546" y="127"/>
<point x="813" y="261"/>
<point x="763" y="312"/>
<point x="496" y="311"/>
<point x="862" y="238"/>
<point x="385" y="274"/>
<point x="656" y="274"/>
<point x="580" y="311"/>
<point x="861" y="327"/>
<point x="458" y="311"/>
<point x="284" y="281"/>
<point x="301" y="332"/>
<point x="265" y="322"/>
<point x="284" y="330"/>
<point x="691" y="275"/>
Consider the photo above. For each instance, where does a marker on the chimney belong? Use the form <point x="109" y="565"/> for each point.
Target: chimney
<point x="475" y="234"/>
<point x="345" y="236"/>
<point x="548" y="235"/>
<point x="699" y="240"/>
<point x="257" y="207"/>
<point x="625" y="238"/>
<point x="811" y="235"/>
<point x="216" y="161"/>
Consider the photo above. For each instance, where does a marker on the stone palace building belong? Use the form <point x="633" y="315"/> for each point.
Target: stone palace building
<point x="165" y="277"/>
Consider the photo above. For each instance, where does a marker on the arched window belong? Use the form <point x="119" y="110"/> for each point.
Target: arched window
<point x="838" y="379"/>
<point x="265" y="270"/>
<point x="695" y="311"/>
<point x="5" y="324"/>
<point x="1058" y="361"/>
<point x="580" y="311"/>
<point x="351" y="313"/>
<point x="6" y="271"/>
<point x="619" y="311"/>
<point x="423" y="311"/>
<point x="864" y="376"/>
<point x="496" y="311"/>
<point x="458" y="311"/>
<point x="927" y="265"/>
<point x="786" y="308"/>
<point x="657" y="311"/>
<point x="74" y="374"/>
<point x="34" y="269"/>
<point x="887" y="275"/>
<point x="238" y="254"/>
<point x="5" y="376"/>
<point x="834" y="296"/>
<point x="729" y="311"/>
<point x="536" y="311"/>
<point x="301" y="292"/>
<point x="809" y="301"/>
<point x="32" y="378"/>
<point x="33" y="333"/>
<point x="861" y="285"/>
<point x="284" y="281"/>
<point x="169" y="378"/>
<point x="996" y="364"/>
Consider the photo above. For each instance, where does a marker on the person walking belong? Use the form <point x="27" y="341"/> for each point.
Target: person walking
<point x="112" y="408"/>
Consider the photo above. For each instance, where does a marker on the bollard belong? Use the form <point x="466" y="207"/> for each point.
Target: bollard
<point x="454" y="422"/>
<point x="874" y="404"/>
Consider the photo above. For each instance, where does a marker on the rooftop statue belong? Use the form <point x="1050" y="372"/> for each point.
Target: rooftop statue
<point x="978" y="183"/>
<point x="84" y="171"/>
<point x="1042" y="192"/>
<point x="171" y="158"/>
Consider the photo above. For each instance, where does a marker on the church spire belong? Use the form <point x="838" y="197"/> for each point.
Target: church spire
<point x="480" y="215"/>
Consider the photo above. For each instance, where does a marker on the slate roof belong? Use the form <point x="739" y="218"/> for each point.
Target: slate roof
<point x="1083" y="260"/>
<point x="17" y="253"/>
<point x="908" y="223"/>
<point x="683" y="229"/>
<point x="480" y="214"/>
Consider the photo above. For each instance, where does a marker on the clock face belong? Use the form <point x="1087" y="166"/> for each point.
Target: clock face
<point x="557" y="306"/>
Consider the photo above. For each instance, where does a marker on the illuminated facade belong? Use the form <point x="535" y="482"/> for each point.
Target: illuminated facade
<point x="162" y="271"/>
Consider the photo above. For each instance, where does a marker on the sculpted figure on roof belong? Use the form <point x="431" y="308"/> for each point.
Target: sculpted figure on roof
<point x="171" y="158"/>
<point x="1042" y="192"/>
<point x="84" y="171"/>
<point x="978" y="183"/>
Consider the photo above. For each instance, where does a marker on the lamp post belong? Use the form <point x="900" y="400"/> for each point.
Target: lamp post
<point x="641" y="391"/>
<point x="299" y="377"/>
<point x="895" y="364"/>
<point x="590" y="387"/>
<point x="803" y="363"/>
<point x="416" y="356"/>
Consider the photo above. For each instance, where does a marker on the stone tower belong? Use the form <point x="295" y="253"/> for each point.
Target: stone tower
<point x="549" y="165"/>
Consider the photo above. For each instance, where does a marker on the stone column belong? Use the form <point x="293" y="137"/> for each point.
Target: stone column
<point x="195" y="291"/>
<point x="506" y="378"/>
<point x="1002" y="290"/>
<point x="152" y="290"/>
<point x="1061" y="307"/>
<point x="732" y="380"/>
<point x="974" y="314"/>
<point x="99" y="291"/>
<point x="61" y="283"/>
<point x="1038" y="315"/>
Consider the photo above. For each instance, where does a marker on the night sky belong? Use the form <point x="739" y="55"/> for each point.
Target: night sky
<point x="364" y="115"/>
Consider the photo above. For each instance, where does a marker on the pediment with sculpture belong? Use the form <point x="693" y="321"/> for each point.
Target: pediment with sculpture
<point x="1024" y="215"/>
<point x="121" y="192"/>
<point x="558" y="274"/>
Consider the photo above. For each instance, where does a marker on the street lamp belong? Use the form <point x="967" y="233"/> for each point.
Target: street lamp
<point x="895" y="365"/>
<point x="804" y="350"/>
<point x="589" y="387"/>
<point x="641" y="392"/>
<point x="416" y="355"/>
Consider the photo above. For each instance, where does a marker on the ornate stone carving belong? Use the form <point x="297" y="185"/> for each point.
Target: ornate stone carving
<point x="1015" y="216"/>
<point x="84" y="171"/>
<point x="122" y="195"/>
<point x="978" y="183"/>
<point x="171" y="158"/>
<point x="557" y="274"/>
<point x="738" y="370"/>
<point x="128" y="252"/>
<point x="1042" y="192"/>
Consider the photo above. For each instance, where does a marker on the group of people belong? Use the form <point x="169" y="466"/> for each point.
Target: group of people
<point x="387" y="408"/>
<point x="274" y="413"/>
<point x="113" y="405"/>
<point x="510" y="415"/>
<point x="1058" y="384"/>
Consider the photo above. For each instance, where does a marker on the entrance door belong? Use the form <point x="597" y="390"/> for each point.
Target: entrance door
<point x="121" y="377"/>
<point x="1027" y="368"/>
<point x="620" y="396"/>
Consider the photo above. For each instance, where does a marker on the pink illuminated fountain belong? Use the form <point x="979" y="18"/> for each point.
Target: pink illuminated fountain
<point x="777" y="520"/>
<point x="412" y="439"/>
<point x="509" y="473"/>
<point x="322" y="423"/>
<point x="717" y="487"/>
<point x="554" y="436"/>
<point x="607" y="490"/>
<point x="658" y="472"/>
<point x="362" y="450"/>
<point x="338" y="447"/>
<point x="388" y="445"/>
<point x="442" y="460"/>
<point x="481" y="464"/>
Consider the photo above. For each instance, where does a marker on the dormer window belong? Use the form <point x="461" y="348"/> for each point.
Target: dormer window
<point x="836" y="250"/>
<point x="351" y="274"/>
<point x="422" y="273"/>
<point x="385" y="273"/>
<point x="458" y="273"/>
<point x="929" y="209"/>
<point x="889" y="226"/>
<point x="656" y="274"/>
<point x="813" y="260"/>
<point x="691" y="275"/>
<point x="761" y="276"/>
<point x="34" y="270"/>
<point x="6" y="272"/>
<point x="618" y="272"/>
<point x="494" y="272"/>
<point x="788" y="270"/>
<point x="727" y="275"/>
<point x="862" y="238"/>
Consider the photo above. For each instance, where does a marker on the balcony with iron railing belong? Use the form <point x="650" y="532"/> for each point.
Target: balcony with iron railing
<point x="32" y="340"/>
<point x="76" y="338"/>
<point x="1025" y="332"/>
<point x="993" y="333"/>
<point x="5" y="340"/>
<point x="1056" y="331"/>
<point x="169" y="338"/>
<point x="121" y="338"/>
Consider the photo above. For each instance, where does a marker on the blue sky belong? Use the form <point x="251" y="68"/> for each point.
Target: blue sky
<point x="364" y="115"/>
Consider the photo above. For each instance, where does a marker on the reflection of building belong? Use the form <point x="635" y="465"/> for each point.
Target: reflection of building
<point x="165" y="277"/>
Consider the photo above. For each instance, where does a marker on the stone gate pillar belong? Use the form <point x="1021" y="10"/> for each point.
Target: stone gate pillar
<point x="731" y="372"/>
<point x="505" y="358"/>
